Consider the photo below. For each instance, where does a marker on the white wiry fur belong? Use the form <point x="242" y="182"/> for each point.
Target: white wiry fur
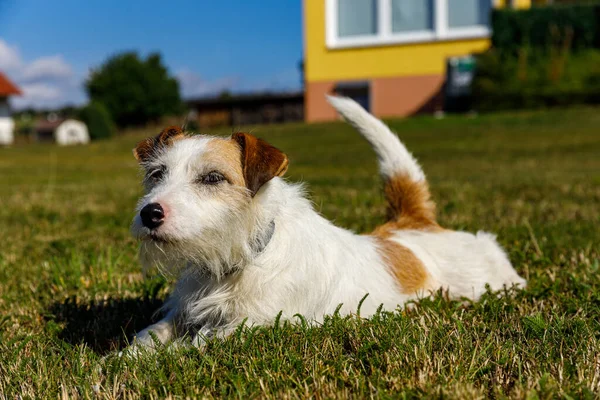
<point x="392" y="154"/>
<point x="201" y="229"/>
<point x="309" y="266"/>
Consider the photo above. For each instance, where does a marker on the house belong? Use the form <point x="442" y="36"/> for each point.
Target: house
<point x="389" y="55"/>
<point x="247" y="109"/>
<point x="64" y="132"/>
<point x="7" y="125"/>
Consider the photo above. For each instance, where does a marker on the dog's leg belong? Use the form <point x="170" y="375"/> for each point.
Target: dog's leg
<point x="201" y="336"/>
<point x="212" y="331"/>
<point x="145" y="341"/>
<point x="162" y="331"/>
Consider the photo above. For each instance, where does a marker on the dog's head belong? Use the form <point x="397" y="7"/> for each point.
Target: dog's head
<point x="200" y="201"/>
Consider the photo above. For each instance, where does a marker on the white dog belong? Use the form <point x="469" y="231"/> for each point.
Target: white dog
<point x="247" y="245"/>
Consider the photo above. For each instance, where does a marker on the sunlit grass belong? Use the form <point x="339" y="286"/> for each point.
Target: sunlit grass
<point x="72" y="292"/>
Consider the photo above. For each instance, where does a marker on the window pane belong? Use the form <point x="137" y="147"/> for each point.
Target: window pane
<point x="412" y="15"/>
<point x="463" y="13"/>
<point x="357" y="17"/>
<point x="357" y="91"/>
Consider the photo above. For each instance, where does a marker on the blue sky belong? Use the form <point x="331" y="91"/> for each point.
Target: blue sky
<point x="48" y="47"/>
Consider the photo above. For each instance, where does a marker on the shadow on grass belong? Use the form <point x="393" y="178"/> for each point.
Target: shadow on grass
<point x="105" y="325"/>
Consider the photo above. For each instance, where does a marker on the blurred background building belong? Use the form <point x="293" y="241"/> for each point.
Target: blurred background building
<point x="247" y="109"/>
<point x="389" y="55"/>
<point x="7" y="88"/>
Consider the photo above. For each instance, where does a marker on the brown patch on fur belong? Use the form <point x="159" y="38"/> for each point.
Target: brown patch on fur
<point x="260" y="161"/>
<point x="409" y="205"/>
<point x="408" y="270"/>
<point x="224" y="154"/>
<point x="146" y="148"/>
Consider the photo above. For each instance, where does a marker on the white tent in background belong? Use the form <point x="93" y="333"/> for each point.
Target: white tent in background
<point x="72" y="132"/>
<point x="64" y="132"/>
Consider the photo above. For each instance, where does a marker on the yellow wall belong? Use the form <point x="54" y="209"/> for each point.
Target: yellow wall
<point x="516" y="3"/>
<point x="522" y="3"/>
<point x="322" y="64"/>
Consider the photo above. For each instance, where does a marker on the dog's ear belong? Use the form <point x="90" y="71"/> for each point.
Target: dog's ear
<point x="260" y="161"/>
<point x="146" y="148"/>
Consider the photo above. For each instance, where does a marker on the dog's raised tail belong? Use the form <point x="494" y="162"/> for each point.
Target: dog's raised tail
<point x="406" y="188"/>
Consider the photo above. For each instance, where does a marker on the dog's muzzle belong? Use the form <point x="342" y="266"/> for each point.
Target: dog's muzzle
<point x="152" y="215"/>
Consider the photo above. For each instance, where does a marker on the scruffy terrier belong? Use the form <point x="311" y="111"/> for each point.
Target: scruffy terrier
<point x="246" y="245"/>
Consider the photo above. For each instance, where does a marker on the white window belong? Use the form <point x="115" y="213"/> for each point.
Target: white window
<point x="357" y="17"/>
<point x="466" y="13"/>
<point x="354" y="23"/>
<point x="412" y="16"/>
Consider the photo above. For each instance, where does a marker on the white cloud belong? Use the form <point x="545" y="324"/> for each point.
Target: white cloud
<point x="46" y="82"/>
<point x="192" y="84"/>
<point x="41" y="91"/>
<point x="47" y="68"/>
<point x="9" y="56"/>
<point x="49" y="95"/>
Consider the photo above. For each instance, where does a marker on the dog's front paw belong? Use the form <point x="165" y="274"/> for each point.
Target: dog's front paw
<point x="156" y="334"/>
<point x="146" y="338"/>
<point x="136" y="350"/>
<point x="143" y="343"/>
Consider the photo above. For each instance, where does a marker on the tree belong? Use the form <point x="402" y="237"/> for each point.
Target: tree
<point x="134" y="91"/>
<point x="98" y="120"/>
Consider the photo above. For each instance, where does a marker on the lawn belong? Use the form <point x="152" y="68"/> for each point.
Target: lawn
<point x="72" y="291"/>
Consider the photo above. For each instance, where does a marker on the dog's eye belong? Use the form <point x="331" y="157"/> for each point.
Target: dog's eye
<point x="156" y="174"/>
<point x="212" y="178"/>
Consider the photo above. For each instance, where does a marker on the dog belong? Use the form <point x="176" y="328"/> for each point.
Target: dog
<point x="248" y="246"/>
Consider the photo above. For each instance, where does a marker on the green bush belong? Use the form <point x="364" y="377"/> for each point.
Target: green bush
<point x="540" y="57"/>
<point x="535" y="79"/>
<point x="135" y="90"/>
<point x="541" y="27"/>
<point x="98" y="120"/>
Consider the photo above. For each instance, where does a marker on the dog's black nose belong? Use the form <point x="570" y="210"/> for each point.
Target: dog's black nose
<point x="152" y="215"/>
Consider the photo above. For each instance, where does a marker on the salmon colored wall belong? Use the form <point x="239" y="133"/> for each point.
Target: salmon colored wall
<point x="390" y="97"/>
<point x="316" y="107"/>
<point x="403" y="96"/>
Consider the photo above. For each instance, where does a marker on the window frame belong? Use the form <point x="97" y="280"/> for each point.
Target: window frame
<point x="384" y="36"/>
<point x="341" y="88"/>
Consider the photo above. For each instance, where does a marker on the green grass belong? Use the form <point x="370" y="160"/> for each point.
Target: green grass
<point x="71" y="290"/>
